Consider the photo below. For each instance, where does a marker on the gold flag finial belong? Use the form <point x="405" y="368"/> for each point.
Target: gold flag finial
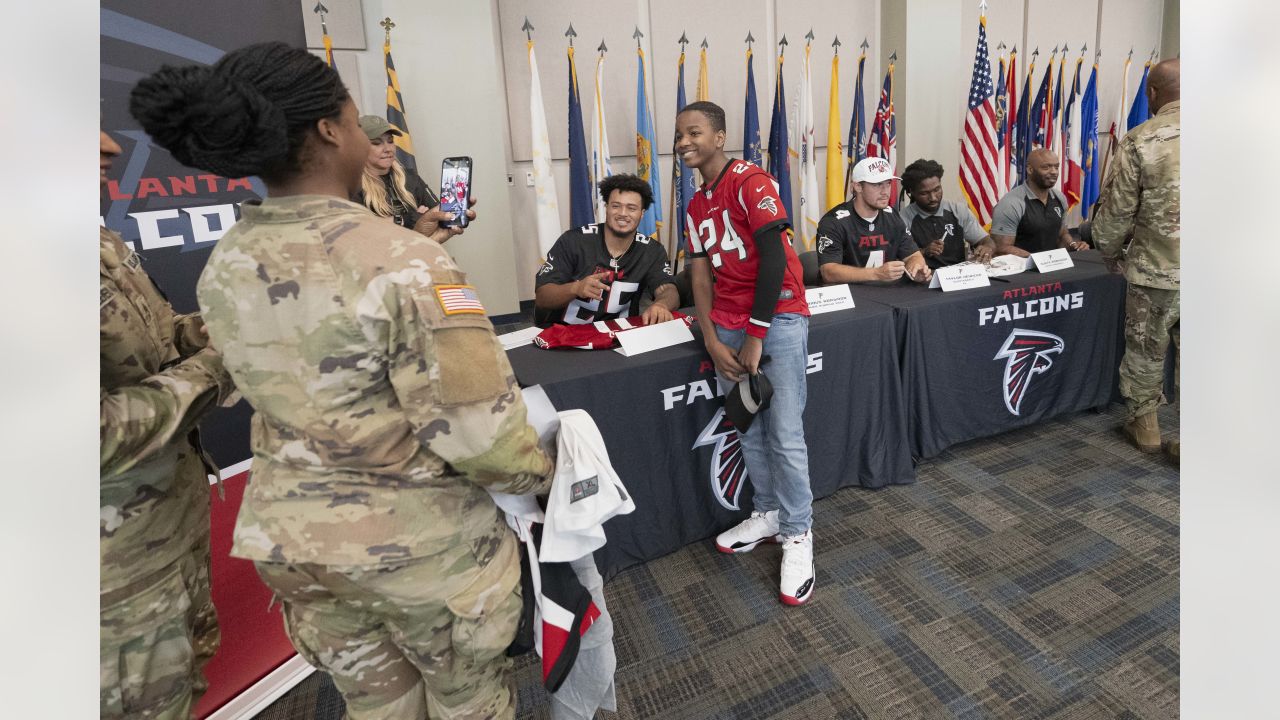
<point x="387" y="25"/>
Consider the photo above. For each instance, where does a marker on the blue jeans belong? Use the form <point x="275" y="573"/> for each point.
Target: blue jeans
<point x="774" y="448"/>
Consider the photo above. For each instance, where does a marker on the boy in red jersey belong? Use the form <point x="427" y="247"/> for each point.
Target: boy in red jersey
<point x="737" y="232"/>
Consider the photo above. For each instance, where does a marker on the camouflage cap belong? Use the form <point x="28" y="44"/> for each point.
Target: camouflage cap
<point x="374" y="126"/>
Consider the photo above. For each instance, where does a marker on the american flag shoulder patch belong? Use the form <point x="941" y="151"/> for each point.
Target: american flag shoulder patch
<point x="459" y="299"/>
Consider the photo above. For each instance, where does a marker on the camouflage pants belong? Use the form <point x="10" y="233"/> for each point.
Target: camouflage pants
<point x="156" y="635"/>
<point x="1151" y="321"/>
<point x="423" y="638"/>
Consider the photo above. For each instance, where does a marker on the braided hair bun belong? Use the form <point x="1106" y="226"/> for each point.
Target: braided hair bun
<point x="248" y="114"/>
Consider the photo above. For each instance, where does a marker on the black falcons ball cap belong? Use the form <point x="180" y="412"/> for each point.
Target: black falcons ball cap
<point x="746" y="399"/>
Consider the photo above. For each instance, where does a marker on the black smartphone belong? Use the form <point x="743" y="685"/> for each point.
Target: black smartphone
<point x="455" y="189"/>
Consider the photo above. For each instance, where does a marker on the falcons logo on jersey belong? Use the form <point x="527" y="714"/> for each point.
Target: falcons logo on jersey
<point x="1027" y="355"/>
<point x="728" y="468"/>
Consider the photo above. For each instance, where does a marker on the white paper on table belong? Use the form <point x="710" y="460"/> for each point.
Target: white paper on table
<point x="1050" y="260"/>
<point x="1006" y="265"/>
<point x="960" y="277"/>
<point x="519" y="338"/>
<point x="653" y="337"/>
<point x="828" y="298"/>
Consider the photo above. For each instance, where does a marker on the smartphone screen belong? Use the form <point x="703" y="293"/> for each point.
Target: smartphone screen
<point x="455" y="189"/>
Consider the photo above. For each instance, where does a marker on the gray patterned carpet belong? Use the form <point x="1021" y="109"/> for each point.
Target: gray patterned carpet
<point x="1029" y="575"/>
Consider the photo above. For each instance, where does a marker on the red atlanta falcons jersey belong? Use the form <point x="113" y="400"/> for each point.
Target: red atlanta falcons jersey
<point x="599" y="335"/>
<point x="723" y="220"/>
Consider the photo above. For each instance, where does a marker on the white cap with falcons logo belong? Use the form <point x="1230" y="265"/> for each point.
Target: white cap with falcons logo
<point x="873" y="170"/>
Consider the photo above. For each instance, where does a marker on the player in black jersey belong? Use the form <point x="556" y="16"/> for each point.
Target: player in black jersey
<point x="601" y="271"/>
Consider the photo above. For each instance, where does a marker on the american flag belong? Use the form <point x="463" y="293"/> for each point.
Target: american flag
<point x="455" y="299"/>
<point x="979" y="177"/>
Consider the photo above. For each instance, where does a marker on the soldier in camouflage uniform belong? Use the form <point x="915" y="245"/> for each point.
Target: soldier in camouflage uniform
<point x="384" y="408"/>
<point x="158" y="377"/>
<point x="1141" y="201"/>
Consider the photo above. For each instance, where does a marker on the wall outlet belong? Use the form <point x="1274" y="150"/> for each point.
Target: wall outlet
<point x="528" y="178"/>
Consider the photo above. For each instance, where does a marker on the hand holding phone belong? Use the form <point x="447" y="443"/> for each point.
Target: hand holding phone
<point x="455" y="189"/>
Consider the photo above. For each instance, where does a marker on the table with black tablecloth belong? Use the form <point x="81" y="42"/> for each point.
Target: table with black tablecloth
<point x="661" y="419"/>
<point x="957" y="383"/>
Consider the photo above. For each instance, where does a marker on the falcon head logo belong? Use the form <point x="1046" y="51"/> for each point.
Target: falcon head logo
<point x="728" y="467"/>
<point x="825" y="243"/>
<point x="1027" y="355"/>
<point x="768" y="203"/>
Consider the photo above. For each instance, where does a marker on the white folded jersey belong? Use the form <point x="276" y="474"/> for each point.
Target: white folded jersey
<point x="585" y="492"/>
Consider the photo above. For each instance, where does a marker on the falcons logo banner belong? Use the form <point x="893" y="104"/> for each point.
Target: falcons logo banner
<point x="728" y="468"/>
<point x="1026" y="354"/>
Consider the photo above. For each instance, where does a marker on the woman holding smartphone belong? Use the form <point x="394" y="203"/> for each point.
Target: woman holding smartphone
<point x="384" y="406"/>
<point x="387" y="187"/>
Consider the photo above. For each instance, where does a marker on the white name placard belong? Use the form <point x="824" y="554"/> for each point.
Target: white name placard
<point x="960" y="277"/>
<point x="653" y="337"/>
<point x="1050" y="260"/>
<point x="828" y="299"/>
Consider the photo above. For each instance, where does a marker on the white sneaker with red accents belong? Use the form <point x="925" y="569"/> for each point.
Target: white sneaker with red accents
<point x="746" y="535"/>
<point x="797" y="569"/>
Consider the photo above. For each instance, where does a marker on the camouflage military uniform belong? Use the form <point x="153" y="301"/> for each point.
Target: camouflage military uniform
<point x="1142" y="199"/>
<point x="384" y="406"/>
<point x="158" y="626"/>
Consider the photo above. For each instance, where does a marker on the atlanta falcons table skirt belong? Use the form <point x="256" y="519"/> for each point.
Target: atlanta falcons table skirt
<point x="987" y="360"/>
<point x="661" y="417"/>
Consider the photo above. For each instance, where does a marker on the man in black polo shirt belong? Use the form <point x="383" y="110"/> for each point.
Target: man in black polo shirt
<point x="862" y="240"/>
<point x="601" y="271"/>
<point x="943" y="229"/>
<point x="1029" y="219"/>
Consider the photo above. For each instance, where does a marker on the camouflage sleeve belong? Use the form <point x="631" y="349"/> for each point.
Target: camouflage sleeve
<point x="452" y="376"/>
<point x="187" y="337"/>
<point x="1114" y="220"/>
<point x="138" y="420"/>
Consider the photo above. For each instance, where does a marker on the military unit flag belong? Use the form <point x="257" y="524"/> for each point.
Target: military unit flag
<point x="779" y="143"/>
<point x="1091" y="181"/>
<point x="855" y="148"/>
<point x="1139" y="112"/>
<point x="682" y="182"/>
<point x="751" y="151"/>
<point x="581" y="210"/>
<point x="646" y="156"/>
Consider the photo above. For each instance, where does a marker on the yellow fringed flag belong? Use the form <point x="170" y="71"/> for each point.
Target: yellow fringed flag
<point x="835" y="152"/>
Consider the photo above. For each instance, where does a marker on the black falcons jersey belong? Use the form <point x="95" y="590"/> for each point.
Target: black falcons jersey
<point x="580" y="252"/>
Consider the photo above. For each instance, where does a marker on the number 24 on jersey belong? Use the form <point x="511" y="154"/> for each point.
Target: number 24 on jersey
<point x="728" y="241"/>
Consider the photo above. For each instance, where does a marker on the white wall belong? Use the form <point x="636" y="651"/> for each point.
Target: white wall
<point x="436" y="46"/>
<point x="482" y="40"/>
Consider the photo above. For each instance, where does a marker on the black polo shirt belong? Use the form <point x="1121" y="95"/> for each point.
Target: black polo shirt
<point x="1034" y="225"/>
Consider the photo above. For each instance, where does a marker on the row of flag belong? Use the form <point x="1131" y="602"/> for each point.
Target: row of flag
<point x="590" y="164"/>
<point x="1001" y="129"/>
